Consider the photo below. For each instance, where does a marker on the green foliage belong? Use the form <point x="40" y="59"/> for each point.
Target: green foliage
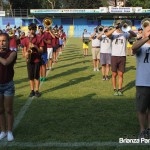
<point x="138" y="3"/>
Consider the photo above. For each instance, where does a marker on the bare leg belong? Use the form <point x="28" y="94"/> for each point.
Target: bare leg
<point x="142" y="120"/>
<point x="103" y="70"/>
<point x="31" y="84"/>
<point x="97" y="63"/>
<point x="114" y="75"/>
<point x="37" y="84"/>
<point x="9" y="109"/>
<point x="2" y="115"/>
<point x="107" y="69"/>
<point x="120" y="75"/>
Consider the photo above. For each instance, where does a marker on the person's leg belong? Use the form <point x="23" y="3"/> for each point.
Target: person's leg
<point x="2" y="114"/>
<point x="31" y="85"/>
<point x="142" y="120"/>
<point x="120" y="79"/>
<point x="148" y="113"/>
<point x="114" y="76"/>
<point x="94" y="64"/>
<point x="97" y="64"/>
<point x="103" y="70"/>
<point x="9" y="109"/>
<point x="107" y="69"/>
<point x="86" y="51"/>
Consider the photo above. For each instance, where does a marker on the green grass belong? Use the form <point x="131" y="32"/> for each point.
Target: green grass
<point x="76" y="105"/>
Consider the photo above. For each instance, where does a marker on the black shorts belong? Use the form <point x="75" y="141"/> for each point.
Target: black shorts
<point x="55" y="48"/>
<point x="33" y="70"/>
<point x="142" y="98"/>
<point x="118" y="63"/>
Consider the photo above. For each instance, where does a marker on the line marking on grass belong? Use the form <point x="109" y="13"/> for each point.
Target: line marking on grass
<point x="28" y="103"/>
<point x="70" y="144"/>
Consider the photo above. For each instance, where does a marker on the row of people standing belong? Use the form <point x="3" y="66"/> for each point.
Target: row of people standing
<point x="109" y="48"/>
<point x="41" y="51"/>
<point x="37" y="49"/>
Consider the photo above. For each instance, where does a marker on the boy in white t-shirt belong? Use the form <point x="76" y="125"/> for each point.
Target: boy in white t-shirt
<point x="118" y="58"/>
<point x="105" y="54"/>
<point x="142" y="50"/>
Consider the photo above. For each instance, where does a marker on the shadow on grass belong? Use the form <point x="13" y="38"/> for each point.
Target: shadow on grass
<point x="129" y="86"/>
<point x="21" y="80"/>
<point x="72" y="64"/>
<point x="81" y="119"/>
<point x="130" y="68"/>
<point x="68" y="72"/>
<point x="70" y="82"/>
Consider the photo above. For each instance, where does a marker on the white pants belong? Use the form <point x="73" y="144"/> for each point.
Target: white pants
<point x="49" y="53"/>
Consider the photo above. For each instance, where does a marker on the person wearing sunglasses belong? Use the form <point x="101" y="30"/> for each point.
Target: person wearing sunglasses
<point x="33" y="47"/>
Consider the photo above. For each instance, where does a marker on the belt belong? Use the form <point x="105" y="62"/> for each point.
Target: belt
<point x="96" y="47"/>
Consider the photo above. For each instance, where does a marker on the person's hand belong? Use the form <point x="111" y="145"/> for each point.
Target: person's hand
<point x="118" y="26"/>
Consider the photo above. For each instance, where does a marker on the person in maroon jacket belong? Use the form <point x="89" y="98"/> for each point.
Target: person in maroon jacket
<point x="33" y="46"/>
<point x="7" y="90"/>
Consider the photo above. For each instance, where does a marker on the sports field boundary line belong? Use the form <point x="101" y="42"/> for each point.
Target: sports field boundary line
<point x="28" y="103"/>
<point x="70" y="144"/>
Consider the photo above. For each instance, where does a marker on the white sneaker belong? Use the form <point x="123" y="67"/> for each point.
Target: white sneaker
<point x="10" y="136"/>
<point x="95" y="69"/>
<point x="2" y="135"/>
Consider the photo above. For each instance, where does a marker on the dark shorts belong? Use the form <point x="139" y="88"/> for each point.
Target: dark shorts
<point x="118" y="63"/>
<point x="33" y="70"/>
<point x="105" y="58"/>
<point x="7" y="89"/>
<point x="142" y="98"/>
<point x="44" y="58"/>
<point x="55" y="48"/>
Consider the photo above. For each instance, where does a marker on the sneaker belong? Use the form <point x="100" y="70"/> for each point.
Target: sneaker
<point x="41" y="79"/>
<point x="10" y="136"/>
<point x="143" y="134"/>
<point x="103" y="78"/>
<point x="97" y="69"/>
<point x="37" y="94"/>
<point x="148" y="133"/>
<point x="2" y="135"/>
<point x="32" y="94"/>
<point x="120" y="93"/>
<point x="106" y="78"/>
<point x="94" y="69"/>
<point x="44" y="79"/>
<point x="115" y="92"/>
<point x="50" y="68"/>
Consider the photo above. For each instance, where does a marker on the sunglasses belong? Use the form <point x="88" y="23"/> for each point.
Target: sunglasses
<point x="31" y="29"/>
<point x="40" y="28"/>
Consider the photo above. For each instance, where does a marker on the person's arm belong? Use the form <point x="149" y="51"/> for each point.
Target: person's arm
<point x="8" y="60"/>
<point x="100" y="35"/>
<point x="132" y="34"/>
<point x="53" y="36"/>
<point x="109" y="33"/>
<point x="139" y="43"/>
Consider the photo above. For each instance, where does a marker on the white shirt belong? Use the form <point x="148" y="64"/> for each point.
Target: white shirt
<point x="143" y="66"/>
<point x="105" y="44"/>
<point x="119" y="41"/>
<point x="95" y="41"/>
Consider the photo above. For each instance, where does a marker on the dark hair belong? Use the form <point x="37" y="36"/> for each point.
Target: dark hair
<point x="32" y="26"/>
<point x="139" y="29"/>
<point x="7" y="37"/>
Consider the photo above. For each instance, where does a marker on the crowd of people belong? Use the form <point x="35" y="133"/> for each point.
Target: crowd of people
<point x="109" y="48"/>
<point x="41" y="47"/>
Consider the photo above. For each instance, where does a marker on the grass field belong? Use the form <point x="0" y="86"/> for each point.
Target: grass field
<point x="77" y="110"/>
